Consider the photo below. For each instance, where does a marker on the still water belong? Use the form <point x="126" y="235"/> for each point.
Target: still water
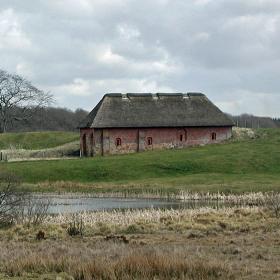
<point x="72" y="204"/>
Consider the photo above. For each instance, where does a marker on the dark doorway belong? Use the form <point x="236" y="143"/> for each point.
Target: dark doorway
<point x="91" y="144"/>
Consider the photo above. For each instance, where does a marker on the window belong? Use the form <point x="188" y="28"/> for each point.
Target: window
<point x="118" y="142"/>
<point x="182" y="135"/>
<point x="150" y="141"/>
<point x="214" y="136"/>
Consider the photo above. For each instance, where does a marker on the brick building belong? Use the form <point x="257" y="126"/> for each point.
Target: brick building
<point x="126" y="123"/>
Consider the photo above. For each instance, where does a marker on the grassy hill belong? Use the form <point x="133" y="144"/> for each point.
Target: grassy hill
<point x="235" y="166"/>
<point x="36" y="140"/>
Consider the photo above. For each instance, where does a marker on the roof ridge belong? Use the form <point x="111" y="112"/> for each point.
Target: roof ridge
<point x="151" y="94"/>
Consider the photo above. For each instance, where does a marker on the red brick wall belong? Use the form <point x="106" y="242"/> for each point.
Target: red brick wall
<point x="133" y="140"/>
<point x="87" y="139"/>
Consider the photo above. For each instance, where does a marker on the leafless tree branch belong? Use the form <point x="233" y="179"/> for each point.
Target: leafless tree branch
<point x="17" y="92"/>
<point x="11" y="198"/>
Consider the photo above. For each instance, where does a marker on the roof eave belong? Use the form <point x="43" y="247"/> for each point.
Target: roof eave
<point x="162" y="126"/>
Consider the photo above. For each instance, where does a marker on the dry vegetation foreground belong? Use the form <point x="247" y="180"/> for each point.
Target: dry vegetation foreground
<point x="237" y="243"/>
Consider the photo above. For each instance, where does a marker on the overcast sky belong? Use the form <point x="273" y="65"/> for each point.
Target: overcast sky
<point x="81" y="49"/>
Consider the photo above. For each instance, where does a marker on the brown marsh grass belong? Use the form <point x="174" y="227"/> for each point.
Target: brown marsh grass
<point x="121" y="263"/>
<point x="239" y="243"/>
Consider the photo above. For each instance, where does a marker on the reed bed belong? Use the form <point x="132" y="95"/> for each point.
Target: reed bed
<point x="145" y="216"/>
<point x="251" y="198"/>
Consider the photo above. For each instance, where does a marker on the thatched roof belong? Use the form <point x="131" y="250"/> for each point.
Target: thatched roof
<point x="155" y="110"/>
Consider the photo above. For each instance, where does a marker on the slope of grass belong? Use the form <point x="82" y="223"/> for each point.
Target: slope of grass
<point x="246" y="165"/>
<point x="36" y="140"/>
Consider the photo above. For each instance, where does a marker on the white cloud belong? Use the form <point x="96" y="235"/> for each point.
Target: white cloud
<point x="94" y="89"/>
<point x="259" y="103"/>
<point x="109" y="57"/>
<point x="79" y="87"/>
<point x="128" y="32"/>
<point x="11" y="34"/>
<point x="79" y="50"/>
<point x="202" y="2"/>
<point x="25" y="69"/>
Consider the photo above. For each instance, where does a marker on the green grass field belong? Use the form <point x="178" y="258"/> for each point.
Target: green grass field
<point x="36" y="140"/>
<point x="235" y="166"/>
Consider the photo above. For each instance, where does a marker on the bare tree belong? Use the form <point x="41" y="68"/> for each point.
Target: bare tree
<point x="11" y="198"/>
<point x="17" y="97"/>
<point x="35" y="210"/>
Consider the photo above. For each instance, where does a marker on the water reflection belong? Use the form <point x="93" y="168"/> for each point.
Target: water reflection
<point x="64" y="204"/>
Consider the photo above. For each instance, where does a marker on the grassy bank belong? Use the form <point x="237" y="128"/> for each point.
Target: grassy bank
<point x="36" y="140"/>
<point x="235" y="166"/>
<point x="172" y="244"/>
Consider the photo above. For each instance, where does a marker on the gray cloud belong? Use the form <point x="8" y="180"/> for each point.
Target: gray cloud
<point x="79" y="50"/>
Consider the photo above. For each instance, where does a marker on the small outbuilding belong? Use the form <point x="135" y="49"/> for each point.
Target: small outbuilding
<point x="135" y="122"/>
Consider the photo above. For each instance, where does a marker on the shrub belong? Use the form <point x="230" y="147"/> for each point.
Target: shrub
<point x="133" y="229"/>
<point x="36" y="210"/>
<point x="76" y="226"/>
<point x="272" y="202"/>
<point x="11" y="199"/>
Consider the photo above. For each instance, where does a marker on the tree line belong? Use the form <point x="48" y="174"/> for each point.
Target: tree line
<point x="48" y="119"/>
<point x="251" y="121"/>
<point x="63" y="119"/>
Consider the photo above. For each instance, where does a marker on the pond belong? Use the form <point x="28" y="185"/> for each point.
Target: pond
<point x="73" y="204"/>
